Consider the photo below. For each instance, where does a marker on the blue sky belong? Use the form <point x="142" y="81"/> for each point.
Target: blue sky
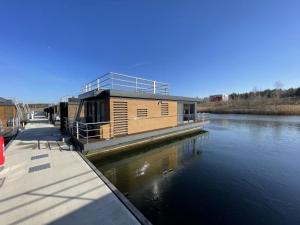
<point x="48" y="49"/>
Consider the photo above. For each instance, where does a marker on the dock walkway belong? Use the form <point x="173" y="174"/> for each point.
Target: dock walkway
<point x="43" y="182"/>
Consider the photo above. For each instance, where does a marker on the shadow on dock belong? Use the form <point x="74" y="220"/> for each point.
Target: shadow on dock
<point x="43" y="134"/>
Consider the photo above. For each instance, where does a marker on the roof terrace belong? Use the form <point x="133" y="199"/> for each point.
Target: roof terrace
<point x="117" y="81"/>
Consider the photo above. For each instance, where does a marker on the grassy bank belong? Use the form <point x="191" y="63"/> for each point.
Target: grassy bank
<point x="270" y="106"/>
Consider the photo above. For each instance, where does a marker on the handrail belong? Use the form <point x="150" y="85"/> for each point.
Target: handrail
<point x="19" y="116"/>
<point x="134" y="77"/>
<point x="66" y="98"/>
<point x="85" y="131"/>
<point x="117" y="81"/>
<point x="95" y="123"/>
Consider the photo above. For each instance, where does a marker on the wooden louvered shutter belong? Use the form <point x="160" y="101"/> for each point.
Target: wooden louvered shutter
<point x="120" y="115"/>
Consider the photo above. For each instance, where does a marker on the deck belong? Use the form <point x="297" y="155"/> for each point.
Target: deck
<point x="43" y="182"/>
<point x="132" y="141"/>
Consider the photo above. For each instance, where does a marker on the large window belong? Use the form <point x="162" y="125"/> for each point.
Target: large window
<point x="188" y="112"/>
<point x="100" y="112"/>
<point x="95" y="111"/>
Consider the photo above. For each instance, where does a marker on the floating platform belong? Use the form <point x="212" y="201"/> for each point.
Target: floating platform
<point x="43" y="182"/>
<point x="138" y="140"/>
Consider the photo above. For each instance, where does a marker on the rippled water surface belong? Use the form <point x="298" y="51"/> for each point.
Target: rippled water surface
<point x="245" y="170"/>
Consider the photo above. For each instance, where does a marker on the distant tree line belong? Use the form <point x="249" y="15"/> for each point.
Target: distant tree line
<point x="268" y="93"/>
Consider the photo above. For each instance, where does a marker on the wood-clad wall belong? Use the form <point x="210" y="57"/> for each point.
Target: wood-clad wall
<point x="72" y="110"/>
<point x="7" y="112"/>
<point x="146" y="115"/>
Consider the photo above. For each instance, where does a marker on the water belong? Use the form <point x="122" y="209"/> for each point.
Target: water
<point x="245" y="170"/>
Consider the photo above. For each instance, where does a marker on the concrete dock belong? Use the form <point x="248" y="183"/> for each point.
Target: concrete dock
<point x="43" y="182"/>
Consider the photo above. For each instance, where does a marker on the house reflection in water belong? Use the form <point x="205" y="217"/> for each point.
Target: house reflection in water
<point x="134" y="172"/>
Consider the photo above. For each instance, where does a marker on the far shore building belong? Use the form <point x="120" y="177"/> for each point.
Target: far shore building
<point x="117" y="105"/>
<point x="219" y="98"/>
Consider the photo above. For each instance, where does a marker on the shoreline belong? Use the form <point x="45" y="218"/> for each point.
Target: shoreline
<point x="249" y="112"/>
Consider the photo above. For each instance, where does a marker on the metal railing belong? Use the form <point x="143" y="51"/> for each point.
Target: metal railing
<point x="18" y="118"/>
<point x="65" y="98"/>
<point x="85" y="132"/>
<point x="192" y="118"/>
<point x="117" y="81"/>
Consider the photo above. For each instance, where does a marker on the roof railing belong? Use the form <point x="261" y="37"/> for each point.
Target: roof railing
<point x="66" y="98"/>
<point x="117" y="81"/>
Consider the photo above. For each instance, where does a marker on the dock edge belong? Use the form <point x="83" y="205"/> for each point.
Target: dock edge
<point x="135" y="212"/>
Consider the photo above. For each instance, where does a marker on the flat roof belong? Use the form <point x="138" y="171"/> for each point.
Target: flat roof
<point x="69" y="100"/>
<point x="73" y="99"/>
<point x="7" y="102"/>
<point x="137" y="95"/>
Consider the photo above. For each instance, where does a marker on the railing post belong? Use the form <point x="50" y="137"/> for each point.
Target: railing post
<point x="154" y="87"/>
<point x="112" y="81"/>
<point x="77" y="130"/>
<point x="87" y="133"/>
<point x="136" y="84"/>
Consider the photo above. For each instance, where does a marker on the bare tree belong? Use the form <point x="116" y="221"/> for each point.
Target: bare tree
<point x="278" y="87"/>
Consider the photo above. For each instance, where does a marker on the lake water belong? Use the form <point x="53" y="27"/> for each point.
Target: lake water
<point x="245" y="170"/>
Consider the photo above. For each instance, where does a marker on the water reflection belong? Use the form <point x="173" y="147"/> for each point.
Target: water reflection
<point x="256" y="125"/>
<point x="245" y="171"/>
<point x="132" y="172"/>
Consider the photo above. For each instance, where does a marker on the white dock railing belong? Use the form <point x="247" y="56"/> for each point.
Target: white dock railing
<point x="192" y="118"/>
<point x="87" y="132"/>
<point x="66" y="98"/>
<point x="117" y="81"/>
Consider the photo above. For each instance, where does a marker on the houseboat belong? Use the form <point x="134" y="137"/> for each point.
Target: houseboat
<point x="9" y="119"/>
<point x="116" y="109"/>
<point x="67" y="110"/>
<point x="52" y="112"/>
